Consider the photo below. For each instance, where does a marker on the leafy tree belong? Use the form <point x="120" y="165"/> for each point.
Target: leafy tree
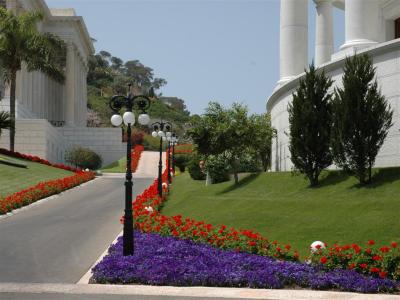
<point x="262" y="134"/>
<point x="20" y="42"/>
<point x="362" y="118"/>
<point x="310" y="116"/>
<point x="223" y="131"/>
<point x="5" y="121"/>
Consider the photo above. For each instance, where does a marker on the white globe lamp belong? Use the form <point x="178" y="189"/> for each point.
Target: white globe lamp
<point x="154" y="134"/>
<point x="129" y="118"/>
<point x="143" y="119"/>
<point x="161" y="133"/>
<point x="169" y="134"/>
<point x="116" y="120"/>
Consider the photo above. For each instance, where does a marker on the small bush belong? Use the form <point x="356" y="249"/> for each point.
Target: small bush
<point x="194" y="169"/>
<point x="83" y="158"/>
<point x="249" y="164"/>
<point x="181" y="161"/>
<point x="218" y="168"/>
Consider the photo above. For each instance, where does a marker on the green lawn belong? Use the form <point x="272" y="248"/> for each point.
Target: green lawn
<point x="283" y="208"/>
<point x="118" y="166"/>
<point x="14" y="179"/>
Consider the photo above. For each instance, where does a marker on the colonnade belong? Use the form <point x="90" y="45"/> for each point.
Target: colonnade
<point x="362" y="28"/>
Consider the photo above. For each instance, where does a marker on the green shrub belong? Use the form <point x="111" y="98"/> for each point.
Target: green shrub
<point x="218" y="168"/>
<point x="83" y="158"/>
<point x="150" y="143"/>
<point x="194" y="169"/>
<point x="181" y="161"/>
<point x="249" y="164"/>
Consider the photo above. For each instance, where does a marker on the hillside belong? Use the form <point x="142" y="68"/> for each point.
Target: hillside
<point x="283" y="208"/>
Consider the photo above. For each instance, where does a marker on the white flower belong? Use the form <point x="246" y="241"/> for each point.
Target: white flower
<point x="316" y="246"/>
<point x="149" y="208"/>
<point x="165" y="185"/>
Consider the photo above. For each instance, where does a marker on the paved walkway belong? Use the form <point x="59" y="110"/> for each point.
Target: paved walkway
<point x="58" y="240"/>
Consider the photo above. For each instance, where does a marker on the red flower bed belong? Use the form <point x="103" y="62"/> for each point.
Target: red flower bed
<point x="136" y="153"/>
<point x="183" y="148"/>
<point x="37" y="160"/>
<point x="370" y="260"/>
<point x="42" y="190"/>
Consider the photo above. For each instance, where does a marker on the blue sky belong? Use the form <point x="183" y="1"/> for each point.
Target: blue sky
<point x="220" y="50"/>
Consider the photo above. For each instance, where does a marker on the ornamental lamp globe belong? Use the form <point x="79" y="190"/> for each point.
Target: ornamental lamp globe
<point x="161" y="133"/>
<point x="154" y="134"/>
<point x="169" y="134"/>
<point x="129" y="118"/>
<point x="116" y="120"/>
<point x="143" y="119"/>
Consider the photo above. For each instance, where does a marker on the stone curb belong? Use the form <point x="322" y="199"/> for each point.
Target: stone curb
<point x="202" y="292"/>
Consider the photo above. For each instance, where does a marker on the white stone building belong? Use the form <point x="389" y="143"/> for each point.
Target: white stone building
<point x="51" y="117"/>
<point x="371" y="26"/>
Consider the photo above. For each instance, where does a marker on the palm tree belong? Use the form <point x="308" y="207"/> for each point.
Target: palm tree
<point x="5" y="121"/>
<point x="20" y="42"/>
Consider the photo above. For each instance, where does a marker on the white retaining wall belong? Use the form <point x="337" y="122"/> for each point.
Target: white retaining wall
<point x="38" y="137"/>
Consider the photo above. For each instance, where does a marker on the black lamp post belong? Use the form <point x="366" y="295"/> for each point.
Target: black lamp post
<point x="129" y="102"/>
<point x="162" y="130"/>
<point x="174" y="142"/>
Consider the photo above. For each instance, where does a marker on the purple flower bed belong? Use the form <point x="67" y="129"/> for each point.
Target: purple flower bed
<point x="169" y="261"/>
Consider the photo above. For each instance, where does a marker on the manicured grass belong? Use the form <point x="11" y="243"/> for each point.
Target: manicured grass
<point x="283" y="208"/>
<point x="14" y="179"/>
<point x="118" y="166"/>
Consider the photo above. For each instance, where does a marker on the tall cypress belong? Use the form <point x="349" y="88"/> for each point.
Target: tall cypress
<point x="361" y="118"/>
<point x="310" y="116"/>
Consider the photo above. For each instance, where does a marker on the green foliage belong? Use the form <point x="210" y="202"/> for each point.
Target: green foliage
<point x="194" y="169"/>
<point x="261" y="141"/>
<point x="218" y="168"/>
<point x="362" y="118"/>
<point x="181" y="161"/>
<point x="310" y="117"/>
<point x="223" y="131"/>
<point x="151" y="144"/>
<point x="83" y="158"/>
<point x="250" y="163"/>
<point x="5" y="121"/>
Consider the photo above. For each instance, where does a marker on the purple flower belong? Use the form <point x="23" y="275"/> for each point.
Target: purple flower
<point x="169" y="261"/>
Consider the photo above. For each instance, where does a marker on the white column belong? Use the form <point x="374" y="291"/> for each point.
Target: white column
<point x="293" y="38"/>
<point x="323" y="32"/>
<point x="362" y="23"/>
<point x="70" y="86"/>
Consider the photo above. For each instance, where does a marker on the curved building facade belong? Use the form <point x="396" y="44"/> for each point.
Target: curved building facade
<point x="372" y="26"/>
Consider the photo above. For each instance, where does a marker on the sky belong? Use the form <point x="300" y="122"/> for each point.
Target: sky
<point x="207" y="50"/>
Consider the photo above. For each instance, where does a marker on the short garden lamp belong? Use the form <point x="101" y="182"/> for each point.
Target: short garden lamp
<point x="129" y="103"/>
<point x="161" y="130"/>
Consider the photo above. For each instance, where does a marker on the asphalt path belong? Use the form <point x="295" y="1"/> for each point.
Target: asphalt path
<point x="59" y="240"/>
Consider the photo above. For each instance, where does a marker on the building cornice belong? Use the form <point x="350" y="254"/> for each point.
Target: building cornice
<point x="330" y="66"/>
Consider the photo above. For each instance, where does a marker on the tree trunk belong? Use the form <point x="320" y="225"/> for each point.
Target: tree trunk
<point x="235" y="175"/>
<point x="12" y="108"/>
<point x="208" y="179"/>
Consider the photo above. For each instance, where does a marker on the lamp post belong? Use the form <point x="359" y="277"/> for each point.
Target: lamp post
<point x="162" y="130"/>
<point x="174" y="142"/>
<point x="129" y="102"/>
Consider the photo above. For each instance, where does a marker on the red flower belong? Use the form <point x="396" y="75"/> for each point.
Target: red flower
<point x="394" y="244"/>
<point x="251" y="243"/>
<point x="374" y="270"/>
<point x="352" y="266"/>
<point x="382" y="274"/>
<point x="385" y="249"/>
<point x="323" y="260"/>
<point x="287" y="247"/>
<point x="363" y="266"/>
<point x="377" y="257"/>
<point x="368" y="251"/>
<point x="371" y="242"/>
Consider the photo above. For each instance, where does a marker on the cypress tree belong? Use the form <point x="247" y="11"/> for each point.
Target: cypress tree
<point x="310" y="116"/>
<point x="361" y="118"/>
